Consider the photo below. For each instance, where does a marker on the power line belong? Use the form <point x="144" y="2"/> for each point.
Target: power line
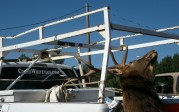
<point x="139" y="24"/>
<point x="32" y="24"/>
<point x="128" y="20"/>
<point x="131" y="21"/>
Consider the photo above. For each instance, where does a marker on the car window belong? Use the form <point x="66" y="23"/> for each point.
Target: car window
<point x="177" y="85"/>
<point x="164" y="84"/>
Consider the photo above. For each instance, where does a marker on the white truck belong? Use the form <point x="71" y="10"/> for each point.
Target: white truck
<point x="83" y="99"/>
<point x="167" y="85"/>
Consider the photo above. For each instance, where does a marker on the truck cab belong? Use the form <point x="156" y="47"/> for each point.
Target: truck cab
<point x="167" y="86"/>
<point x="167" y="83"/>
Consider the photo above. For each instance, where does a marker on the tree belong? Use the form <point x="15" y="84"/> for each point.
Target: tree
<point x="166" y="65"/>
<point x="112" y="81"/>
<point x="156" y="68"/>
<point x="23" y="56"/>
<point x="175" y="63"/>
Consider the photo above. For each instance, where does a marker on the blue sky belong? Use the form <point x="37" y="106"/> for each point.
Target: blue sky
<point x="148" y="14"/>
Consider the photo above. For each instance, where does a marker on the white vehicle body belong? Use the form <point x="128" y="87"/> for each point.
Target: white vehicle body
<point x="81" y="99"/>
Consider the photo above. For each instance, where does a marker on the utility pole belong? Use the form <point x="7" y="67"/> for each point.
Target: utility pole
<point x="88" y="34"/>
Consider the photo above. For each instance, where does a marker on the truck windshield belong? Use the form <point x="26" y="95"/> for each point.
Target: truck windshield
<point x="164" y="84"/>
<point x="36" y="78"/>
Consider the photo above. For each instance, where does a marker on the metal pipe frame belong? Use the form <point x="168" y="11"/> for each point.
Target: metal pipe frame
<point x="52" y="39"/>
<point x="105" y="56"/>
<point x="106" y="32"/>
<point x="40" y="28"/>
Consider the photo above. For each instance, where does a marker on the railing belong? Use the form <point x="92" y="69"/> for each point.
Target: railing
<point x="103" y="29"/>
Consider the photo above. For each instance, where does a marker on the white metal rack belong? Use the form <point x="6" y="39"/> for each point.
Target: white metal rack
<point x="41" y="40"/>
<point x="103" y="29"/>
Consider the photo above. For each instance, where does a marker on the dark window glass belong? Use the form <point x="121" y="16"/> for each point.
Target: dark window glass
<point x="36" y="77"/>
<point x="164" y="84"/>
<point x="177" y="85"/>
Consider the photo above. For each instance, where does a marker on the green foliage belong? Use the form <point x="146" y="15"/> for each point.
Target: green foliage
<point x="156" y="68"/>
<point x="167" y="64"/>
<point x="175" y="62"/>
<point x="23" y="56"/>
<point x="112" y="81"/>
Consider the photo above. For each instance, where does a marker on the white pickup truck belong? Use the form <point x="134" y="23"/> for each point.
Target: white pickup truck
<point x="167" y="85"/>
